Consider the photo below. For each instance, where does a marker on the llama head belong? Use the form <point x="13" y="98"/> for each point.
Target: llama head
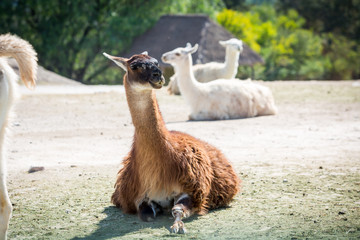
<point x="179" y="54"/>
<point x="233" y="43"/>
<point x="143" y="71"/>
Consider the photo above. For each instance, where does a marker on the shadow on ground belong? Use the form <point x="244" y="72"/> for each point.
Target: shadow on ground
<point x="117" y="224"/>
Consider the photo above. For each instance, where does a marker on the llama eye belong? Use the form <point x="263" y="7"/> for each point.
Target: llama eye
<point x="177" y="54"/>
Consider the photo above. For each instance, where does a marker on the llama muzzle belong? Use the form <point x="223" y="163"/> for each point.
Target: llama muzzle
<point x="157" y="79"/>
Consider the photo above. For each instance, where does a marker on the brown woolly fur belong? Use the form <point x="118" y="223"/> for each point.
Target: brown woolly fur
<point x="167" y="165"/>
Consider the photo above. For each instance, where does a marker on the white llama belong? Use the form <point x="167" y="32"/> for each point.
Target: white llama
<point x="23" y="52"/>
<point x="214" y="70"/>
<point x="219" y="99"/>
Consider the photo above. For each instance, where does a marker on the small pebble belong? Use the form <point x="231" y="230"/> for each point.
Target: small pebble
<point x="36" y="169"/>
<point x="285" y="180"/>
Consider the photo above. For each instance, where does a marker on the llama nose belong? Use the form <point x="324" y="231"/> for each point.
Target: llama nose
<point x="156" y="74"/>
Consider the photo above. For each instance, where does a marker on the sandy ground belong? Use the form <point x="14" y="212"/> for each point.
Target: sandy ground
<point x="300" y="168"/>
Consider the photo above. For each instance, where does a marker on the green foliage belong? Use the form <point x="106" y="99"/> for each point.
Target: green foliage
<point x="298" y="39"/>
<point x="338" y="23"/>
<point x="290" y="51"/>
<point x="341" y="17"/>
<point x="70" y="36"/>
<point x="208" y="7"/>
<point x="343" y="57"/>
<point x="247" y="26"/>
<point x="236" y="4"/>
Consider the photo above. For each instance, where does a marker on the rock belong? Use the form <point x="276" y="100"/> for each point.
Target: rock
<point x="36" y="169"/>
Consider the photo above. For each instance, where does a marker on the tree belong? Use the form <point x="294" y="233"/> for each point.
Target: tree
<point x="324" y="16"/>
<point x="289" y="50"/>
<point x="70" y="36"/>
<point x="338" y="22"/>
<point x="236" y="5"/>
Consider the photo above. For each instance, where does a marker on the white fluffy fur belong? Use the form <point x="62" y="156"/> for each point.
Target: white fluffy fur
<point x="22" y="51"/>
<point x="213" y="70"/>
<point x="219" y="99"/>
<point x="7" y="95"/>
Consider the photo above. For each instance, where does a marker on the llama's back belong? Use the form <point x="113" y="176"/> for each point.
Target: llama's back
<point x="233" y="98"/>
<point x="264" y="99"/>
<point x="210" y="71"/>
<point x="214" y="173"/>
<point x="225" y="183"/>
<point x="203" y="73"/>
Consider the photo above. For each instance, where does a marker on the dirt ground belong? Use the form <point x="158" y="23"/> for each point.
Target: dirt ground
<point x="300" y="169"/>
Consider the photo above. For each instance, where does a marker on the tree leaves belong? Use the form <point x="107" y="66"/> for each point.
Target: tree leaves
<point x="70" y="36"/>
<point x="291" y="51"/>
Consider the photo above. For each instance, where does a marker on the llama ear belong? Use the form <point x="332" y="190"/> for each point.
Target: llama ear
<point x="118" y="60"/>
<point x="193" y="49"/>
<point x="145" y="53"/>
<point x="240" y="45"/>
<point x="188" y="45"/>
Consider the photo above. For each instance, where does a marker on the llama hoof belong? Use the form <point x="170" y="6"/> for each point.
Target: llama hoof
<point x="178" y="227"/>
<point x="146" y="212"/>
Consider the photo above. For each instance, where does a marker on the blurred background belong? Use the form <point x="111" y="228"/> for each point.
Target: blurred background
<point x="298" y="40"/>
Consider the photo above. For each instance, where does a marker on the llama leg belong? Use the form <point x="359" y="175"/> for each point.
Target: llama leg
<point x="5" y="210"/>
<point x="182" y="209"/>
<point x="149" y="210"/>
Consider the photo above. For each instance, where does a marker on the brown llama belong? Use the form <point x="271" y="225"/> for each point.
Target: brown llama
<point x="166" y="169"/>
<point x="23" y="52"/>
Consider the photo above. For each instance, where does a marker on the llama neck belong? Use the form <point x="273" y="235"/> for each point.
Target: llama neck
<point x="150" y="129"/>
<point x="188" y="85"/>
<point x="231" y="62"/>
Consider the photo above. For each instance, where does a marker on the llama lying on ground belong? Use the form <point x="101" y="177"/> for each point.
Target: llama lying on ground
<point x="166" y="169"/>
<point x="213" y="70"/>
<point x="22" y="51"/>
<point x="219" y="99"/>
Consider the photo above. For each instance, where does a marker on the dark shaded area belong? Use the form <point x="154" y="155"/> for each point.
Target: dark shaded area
<point x="117" y="224"/>
<point x="336" y="16"/>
